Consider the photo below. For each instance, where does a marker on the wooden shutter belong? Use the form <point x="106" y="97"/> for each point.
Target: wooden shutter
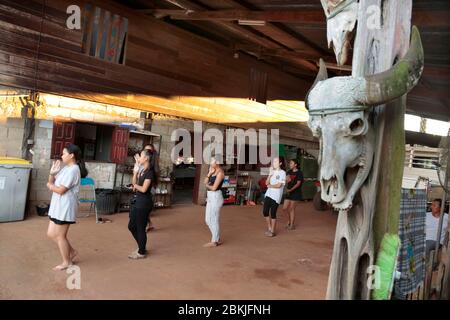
<point x="258" y="86"/>
<point x="63" y="134"/>
<point x="119" y="149"/>
<point x="104" y="34"/>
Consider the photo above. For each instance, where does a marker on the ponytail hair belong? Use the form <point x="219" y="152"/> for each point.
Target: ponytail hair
<point x="83" y="170"/>
<point x="76" y="151"/>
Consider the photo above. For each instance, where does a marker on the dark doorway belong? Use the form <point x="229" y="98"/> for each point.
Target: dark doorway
<point x="184" y="171"/>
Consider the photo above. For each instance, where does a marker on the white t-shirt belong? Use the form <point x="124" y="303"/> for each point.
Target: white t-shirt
<point x="432" y="225"/>
<point x="64" y="207"/>
<point x="278" y="176"/>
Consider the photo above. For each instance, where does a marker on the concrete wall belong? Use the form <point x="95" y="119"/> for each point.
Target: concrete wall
<point x="102" y="173"/>
<point x="41" y="162"/>
<point x="11" y="135"/>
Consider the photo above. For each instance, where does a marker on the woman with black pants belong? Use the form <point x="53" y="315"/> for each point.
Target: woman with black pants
<point x="143" y="203"/>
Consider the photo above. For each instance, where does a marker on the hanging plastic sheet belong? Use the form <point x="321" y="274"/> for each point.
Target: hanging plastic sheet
<point x="411" y="261"/>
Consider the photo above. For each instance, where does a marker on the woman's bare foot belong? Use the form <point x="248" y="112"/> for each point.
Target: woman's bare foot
<point x="61" y="267"/>
<point x="210" y="244"/>
<point x="73" y="254"/>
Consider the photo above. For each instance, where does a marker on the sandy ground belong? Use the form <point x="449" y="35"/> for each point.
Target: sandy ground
<point x="292" y="265"/>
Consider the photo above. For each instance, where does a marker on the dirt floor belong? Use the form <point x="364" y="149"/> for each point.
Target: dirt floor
<point x="292" y="265"/>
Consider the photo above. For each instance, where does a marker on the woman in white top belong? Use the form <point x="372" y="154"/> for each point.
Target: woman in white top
<point x="214" y="202"/>
<point x="65" y="185"/>
<point x="275" y="184"/>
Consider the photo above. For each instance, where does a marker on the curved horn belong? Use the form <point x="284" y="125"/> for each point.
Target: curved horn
<point x="321" y="75"/>
<point x="398" y="80"/>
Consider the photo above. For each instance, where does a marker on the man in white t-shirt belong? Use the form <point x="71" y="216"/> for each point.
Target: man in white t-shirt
<point x="275" y="185"/>
<point x="432" y="225"/>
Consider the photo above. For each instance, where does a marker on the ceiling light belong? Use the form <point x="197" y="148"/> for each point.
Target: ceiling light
<point x="251" y="23"/>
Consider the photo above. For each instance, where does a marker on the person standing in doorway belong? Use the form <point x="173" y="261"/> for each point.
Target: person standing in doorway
<point x="294" y="181"/>
<point x="275" y="184"/>
<point x="142" y="203"/>
<point x="214" y="201"/>
<point x="65" y="185"/>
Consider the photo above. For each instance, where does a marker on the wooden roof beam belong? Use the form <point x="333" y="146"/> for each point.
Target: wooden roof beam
<point x="421" y="18"/>
<point x="287" y="39"/>
<point x="262" y="52"/>
<point x="314" y="17"/>
<point x="244" y="33"/>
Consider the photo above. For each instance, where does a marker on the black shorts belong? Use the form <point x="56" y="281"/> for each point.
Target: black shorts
<point x="294" y="196"/>
<point x="270" y="206"/>
<point x="56" y="221"/>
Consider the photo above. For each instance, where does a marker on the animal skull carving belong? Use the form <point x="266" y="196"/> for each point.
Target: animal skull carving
<point x="339" y="117"/>
<point x="341" y="20"/>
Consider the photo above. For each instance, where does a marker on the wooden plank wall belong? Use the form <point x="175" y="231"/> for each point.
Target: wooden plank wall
<point x="163" y="66"/>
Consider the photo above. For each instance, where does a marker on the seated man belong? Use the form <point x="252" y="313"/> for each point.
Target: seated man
<point x="432" y="225"/>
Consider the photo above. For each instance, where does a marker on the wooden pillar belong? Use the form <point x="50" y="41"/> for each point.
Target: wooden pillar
<point x="378" y="50"/>
<point x="376" y="209"/>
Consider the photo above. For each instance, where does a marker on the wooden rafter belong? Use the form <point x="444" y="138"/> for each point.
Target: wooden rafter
<point x="304" y="16"/>
<point x="272" y="33"/>
<point x="262" y="52"/>
<point x="294" y="16"/>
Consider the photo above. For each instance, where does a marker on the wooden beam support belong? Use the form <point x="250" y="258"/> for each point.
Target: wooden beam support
<point x="420" y="17"/>
<point x="268" y="30"/>
<point x="425" y="18"/>
<point x="312" y="17"/>
<point x="282" y="53"/>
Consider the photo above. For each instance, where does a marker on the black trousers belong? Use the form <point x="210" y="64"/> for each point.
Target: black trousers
<point x="270" y="206"/>
<point x="137" y="225"/>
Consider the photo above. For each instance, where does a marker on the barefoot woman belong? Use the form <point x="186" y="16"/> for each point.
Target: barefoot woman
<point x="65" y="185"/>
<point x="294" y="181"/>
<point x="214" y="201"/>
<point x="275" y="184"/>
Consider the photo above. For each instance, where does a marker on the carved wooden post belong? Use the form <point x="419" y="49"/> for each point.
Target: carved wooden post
<point x="382" y="38"/>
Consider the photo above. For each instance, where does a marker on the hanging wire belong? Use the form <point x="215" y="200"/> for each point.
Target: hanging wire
<point x="38" y="48"/>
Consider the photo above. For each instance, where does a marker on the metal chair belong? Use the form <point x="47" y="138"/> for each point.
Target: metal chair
<point x="93" y="201"/>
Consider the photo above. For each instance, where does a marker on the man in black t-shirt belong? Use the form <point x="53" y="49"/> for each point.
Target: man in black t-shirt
<point x="294" y="179"/>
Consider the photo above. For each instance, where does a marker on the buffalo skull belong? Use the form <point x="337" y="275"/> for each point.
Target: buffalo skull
<point x="339" y="110"/>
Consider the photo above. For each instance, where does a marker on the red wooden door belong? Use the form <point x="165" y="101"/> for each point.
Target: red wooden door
<point x="119" y="149"/>
<point x="63" y="134"/>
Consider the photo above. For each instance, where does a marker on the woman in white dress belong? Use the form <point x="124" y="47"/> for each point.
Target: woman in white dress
<point x="65" y="185"/>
